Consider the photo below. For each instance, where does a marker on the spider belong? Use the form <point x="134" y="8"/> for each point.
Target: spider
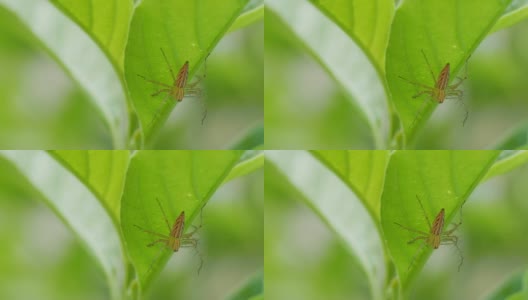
<point x="179" y="88"/>
<point x="441" y="90"/>
<point x="176" y="239"/>
<point x="436" y="235"/>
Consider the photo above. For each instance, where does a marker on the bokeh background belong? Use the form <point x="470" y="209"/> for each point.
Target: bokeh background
<point x="304" y="259"/>
<point x="43" y="108"/>
<point x="306" y="108"/>
<point x="40" y="258"/>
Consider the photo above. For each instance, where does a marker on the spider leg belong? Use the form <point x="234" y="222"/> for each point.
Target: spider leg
<point x="414" y="256"/>
<point x="412" y="229"/>
<point x="164" y="216"/>
<point x="190" y="242"/>
<point x="204" y="113"/>
<point x="152" y="232"/>
<point x="416" y="83"/>
<point x="457" y="94"/>
<point x="449" y="240"/>
<point x="453" y="240"/>
<point x="192" y="92"/>
<point x="190" y="234"/>
<point x="196" y="82"/>
<point x="199" y="78"/>
<point x="156" y="115"/>
<point x="154" y="81"/>
<point x="158" y="255"/>
<point x="448" y="233"/>
<point x="157" y="241"/>
<point x="423" y="210"/>
<point x="161" y="91"/>
<point x="196" y="92"/>
<point x="417" y="238"/>
<point x="428" y="65"/>
<point x="170" y="68"/>
<point x="428" y="92"/>
<point x="454" y="93"/>
<point x="419" y="113"/>
<point x="460" y="81"/>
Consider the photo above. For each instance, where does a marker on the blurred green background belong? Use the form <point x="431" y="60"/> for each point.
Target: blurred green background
<point x="307" y="109"/>
<point x="304" y="259"/>
<point x="41" y="258"/>
<point x="43" y="108"/>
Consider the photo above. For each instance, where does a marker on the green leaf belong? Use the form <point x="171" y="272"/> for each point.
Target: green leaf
<point x="516" y="12"/>
<point x="447" y="31"/>
<point x="514" y="288"/>
<point x="523" y="294"/>
<point x="251" y="288"/>
<point x="362" y="171"/>
<point x="253" y="12"/>
<point x="366" y="22"/>
<point x="253" y="139"/>
<point x="106" y="21"/>
<point x="507" y="161"/>
<point x="338" y="207"/>
<point x="79" y="209"/>
<point x="103" y="172"/>
<point x="517" y="139"/>
<point x="250" y="161"/>
<point x="343" y="58"/>
<point x="440" y="179"/>
<point x="181" y="181"/>
<point x="81" y="57"/>
<point x="186" y="31"/>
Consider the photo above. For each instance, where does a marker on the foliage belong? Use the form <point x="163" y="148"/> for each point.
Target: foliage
<point x="367" y="47"/>
<point x="104" y="45"/>
<point x="358" y="196"/>
<point x="103" y="195"/>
